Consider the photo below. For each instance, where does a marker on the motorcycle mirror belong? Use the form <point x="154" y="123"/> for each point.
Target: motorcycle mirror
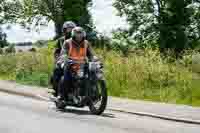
<point x="95" y="58"/>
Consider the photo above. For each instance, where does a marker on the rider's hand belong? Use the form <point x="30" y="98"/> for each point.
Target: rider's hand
<point x="67" y="62"/>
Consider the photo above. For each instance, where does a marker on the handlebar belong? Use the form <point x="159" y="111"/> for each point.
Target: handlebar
<point x="69" y="61"/>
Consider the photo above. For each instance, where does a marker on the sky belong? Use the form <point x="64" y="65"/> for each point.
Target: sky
<point x="104" y="16"/>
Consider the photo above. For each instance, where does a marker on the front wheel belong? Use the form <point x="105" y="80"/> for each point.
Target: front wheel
<point x="98" y="105"/>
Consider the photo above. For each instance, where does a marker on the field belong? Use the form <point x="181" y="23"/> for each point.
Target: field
<point x="142" y="75"/>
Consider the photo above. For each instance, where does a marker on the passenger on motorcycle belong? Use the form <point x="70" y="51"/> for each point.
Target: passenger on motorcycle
<point x="78" y="49"/>
<point x="67" y="29"/>
<point x="58" y="72"/>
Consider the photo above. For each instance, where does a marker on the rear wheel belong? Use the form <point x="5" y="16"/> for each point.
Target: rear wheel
<point x="60" y="103"/>
<point x="98" y="104"/>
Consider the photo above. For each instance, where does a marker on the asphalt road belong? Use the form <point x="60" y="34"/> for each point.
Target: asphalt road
<point x="25" y="115"/>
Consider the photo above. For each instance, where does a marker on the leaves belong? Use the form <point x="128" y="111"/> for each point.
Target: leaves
<point x="40" y="12"/>
<point x="172" y="24"/>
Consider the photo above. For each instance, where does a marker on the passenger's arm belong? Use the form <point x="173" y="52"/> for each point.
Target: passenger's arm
<point x="57" y="49"/>
<point x="64" y="51"/>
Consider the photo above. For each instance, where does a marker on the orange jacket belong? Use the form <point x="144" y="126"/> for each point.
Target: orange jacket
<point x="76" y="51"/>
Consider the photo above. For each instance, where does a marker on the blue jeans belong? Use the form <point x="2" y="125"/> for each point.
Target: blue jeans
<point x="57" y="74"/>
<point x="67" y="76"/>
<point x="66" y="84"/>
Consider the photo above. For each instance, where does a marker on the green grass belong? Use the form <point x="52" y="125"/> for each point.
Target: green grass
<point x="196" y="92"/>
<point x="148" y="78"/>
<point x="39" y="79"/>
<point x="7" y="67"/>
<point x="145" y="76"/>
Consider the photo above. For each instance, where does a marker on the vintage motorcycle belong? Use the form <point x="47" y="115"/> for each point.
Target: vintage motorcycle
<point x="88" y="86"/>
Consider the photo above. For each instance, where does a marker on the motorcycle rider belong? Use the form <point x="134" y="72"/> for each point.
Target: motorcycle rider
<point x="77" y="48"/>
<point x="57" y="73"/>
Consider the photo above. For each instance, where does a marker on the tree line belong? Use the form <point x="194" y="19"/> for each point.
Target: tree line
<point x="171" y="24"/>
<point x="167" y="24"/>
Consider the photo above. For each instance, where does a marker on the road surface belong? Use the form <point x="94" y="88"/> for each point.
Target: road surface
<point x="25" y="115"/>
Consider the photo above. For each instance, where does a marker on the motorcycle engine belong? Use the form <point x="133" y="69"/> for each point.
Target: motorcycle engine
<point x="79" y="71"/>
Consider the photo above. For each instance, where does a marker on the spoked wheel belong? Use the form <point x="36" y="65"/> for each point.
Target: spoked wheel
<point x="98" y="103"/>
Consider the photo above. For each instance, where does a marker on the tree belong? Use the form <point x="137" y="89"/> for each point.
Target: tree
<point x="3" y="36"/>
<point x="166" y="22"/>
<point x="40" y="12"/>
<point x="3" y="41"/>
<point x="173" y="22"/>
<point x="193" y="30"/>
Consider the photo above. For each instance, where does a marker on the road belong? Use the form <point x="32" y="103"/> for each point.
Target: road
<point x="25" y="115"/>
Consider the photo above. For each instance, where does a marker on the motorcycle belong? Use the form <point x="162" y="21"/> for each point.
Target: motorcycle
<point x="88" y="86"/>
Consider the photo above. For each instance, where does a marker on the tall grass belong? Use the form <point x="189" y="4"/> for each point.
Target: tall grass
<point x="34" y="68"/>
<point x="145" y="76"/>
<point x="29" y="67"/>
<point x="148" y="77"/>
<point x="8" y="67"/>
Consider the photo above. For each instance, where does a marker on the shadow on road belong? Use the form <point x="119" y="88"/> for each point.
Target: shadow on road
<point x="85" y="112"/>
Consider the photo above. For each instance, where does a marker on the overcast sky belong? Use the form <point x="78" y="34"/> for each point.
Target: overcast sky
<point x="104" y="16"/>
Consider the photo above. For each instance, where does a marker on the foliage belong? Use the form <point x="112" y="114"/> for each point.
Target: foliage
<point x="172" y="24"/>
<point x="3" y="41"/>
<point x="10" y="49"/>
<point x="40" y="12"/>
<point x="138" y="76"/>
<point x="1" y="51"/>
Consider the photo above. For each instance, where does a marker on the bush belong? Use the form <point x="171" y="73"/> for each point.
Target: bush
<point x="1" y="51"/>
<point x="8" y="67"/>
<point x="196" y="63"/>
<point x="32" y="50"/>
<point x="10" y="49"/>
<point x="20" y="50"/>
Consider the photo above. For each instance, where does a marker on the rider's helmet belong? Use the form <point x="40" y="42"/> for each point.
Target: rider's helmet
<point x="78" y="34"/>
<point x="68" y="25"/>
